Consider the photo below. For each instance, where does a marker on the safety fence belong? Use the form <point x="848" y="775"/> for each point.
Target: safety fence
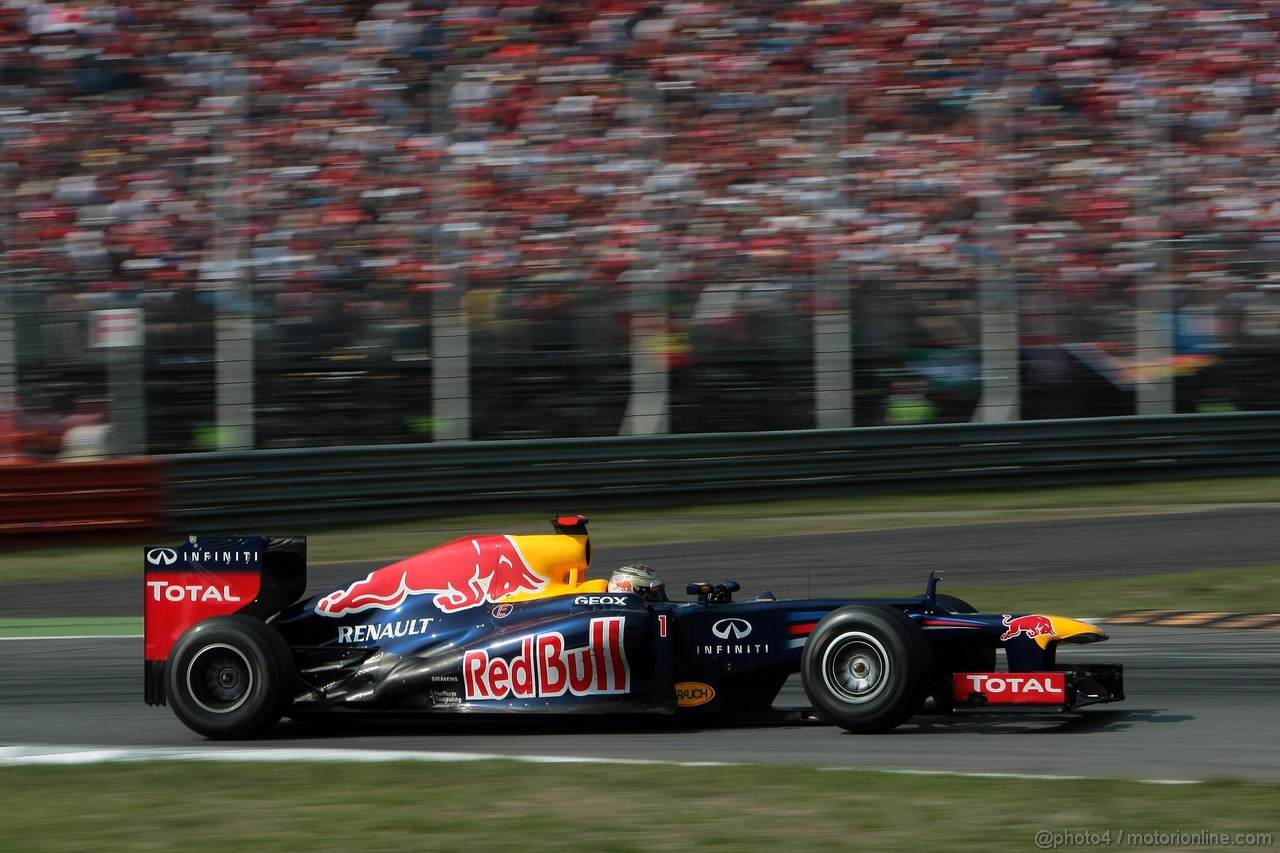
<point x="305" y="488"/>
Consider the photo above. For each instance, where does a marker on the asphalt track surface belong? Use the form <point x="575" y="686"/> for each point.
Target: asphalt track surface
<point x="1202" y="703"/>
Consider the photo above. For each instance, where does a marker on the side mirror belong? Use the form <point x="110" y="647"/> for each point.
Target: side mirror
<point x="719" y="594"/>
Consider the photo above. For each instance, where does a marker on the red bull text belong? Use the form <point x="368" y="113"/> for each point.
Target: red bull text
<point x="545" y="668"/>
<point x="461" y="575"/>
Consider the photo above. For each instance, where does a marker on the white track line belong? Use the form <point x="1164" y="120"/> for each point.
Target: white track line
<point x="17" y="756"/>
<point x="76" y="637"/>
<point x="29" y="755"/>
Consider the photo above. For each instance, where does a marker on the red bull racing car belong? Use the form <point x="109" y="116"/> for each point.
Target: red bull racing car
<point x="494" y="624"/>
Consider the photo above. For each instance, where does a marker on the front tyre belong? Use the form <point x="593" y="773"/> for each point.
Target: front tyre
<point x="866" y="668"/>
<point x="230" y="677"/>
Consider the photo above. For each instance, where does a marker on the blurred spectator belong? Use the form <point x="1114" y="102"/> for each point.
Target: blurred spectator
<point x="29" y="432"/>
<point x="334" y="164"/>
<point x="86" y="434"/>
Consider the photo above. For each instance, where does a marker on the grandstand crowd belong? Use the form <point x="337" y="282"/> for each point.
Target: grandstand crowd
<point x="341" y="161"/>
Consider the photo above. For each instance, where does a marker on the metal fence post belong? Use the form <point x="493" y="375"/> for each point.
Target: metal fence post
<point x="1001" y="377"/>
<point x="8" y="345"/>
<point x="233" y="326"/>
<point x="648" y="409"/>
<point x="1154" y="343"/>
<point x="450" y="329"/>
<point x="832" y="321"/>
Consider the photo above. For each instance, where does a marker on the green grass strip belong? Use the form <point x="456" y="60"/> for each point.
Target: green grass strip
<point x="496" y="804"/>
<point x="72" y="626"/>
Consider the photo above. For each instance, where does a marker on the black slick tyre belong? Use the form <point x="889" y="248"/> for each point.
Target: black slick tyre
<point x="230" y="677"/>
<point x="866" y="668"/>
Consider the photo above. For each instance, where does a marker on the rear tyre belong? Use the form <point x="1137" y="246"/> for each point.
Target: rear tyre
<point x="866" y="668"/>
<point x="948" y="663"/>
<point x="230" y="677"/>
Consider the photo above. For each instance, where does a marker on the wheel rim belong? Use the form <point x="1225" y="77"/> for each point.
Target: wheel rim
<point x="855" y="667"/>
<point x="219" y="678"/>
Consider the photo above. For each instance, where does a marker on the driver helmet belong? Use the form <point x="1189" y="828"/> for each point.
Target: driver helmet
<point x="640" y="579"/>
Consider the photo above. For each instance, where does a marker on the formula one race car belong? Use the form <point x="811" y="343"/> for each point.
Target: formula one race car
<point x="492" y="624"/>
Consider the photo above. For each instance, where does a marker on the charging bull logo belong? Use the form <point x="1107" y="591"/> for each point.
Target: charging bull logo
<point x="461" y="575"/>
<point x="1033" y="626"/>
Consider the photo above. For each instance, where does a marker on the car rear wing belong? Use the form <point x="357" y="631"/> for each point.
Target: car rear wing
<point x="214" y="576"/>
